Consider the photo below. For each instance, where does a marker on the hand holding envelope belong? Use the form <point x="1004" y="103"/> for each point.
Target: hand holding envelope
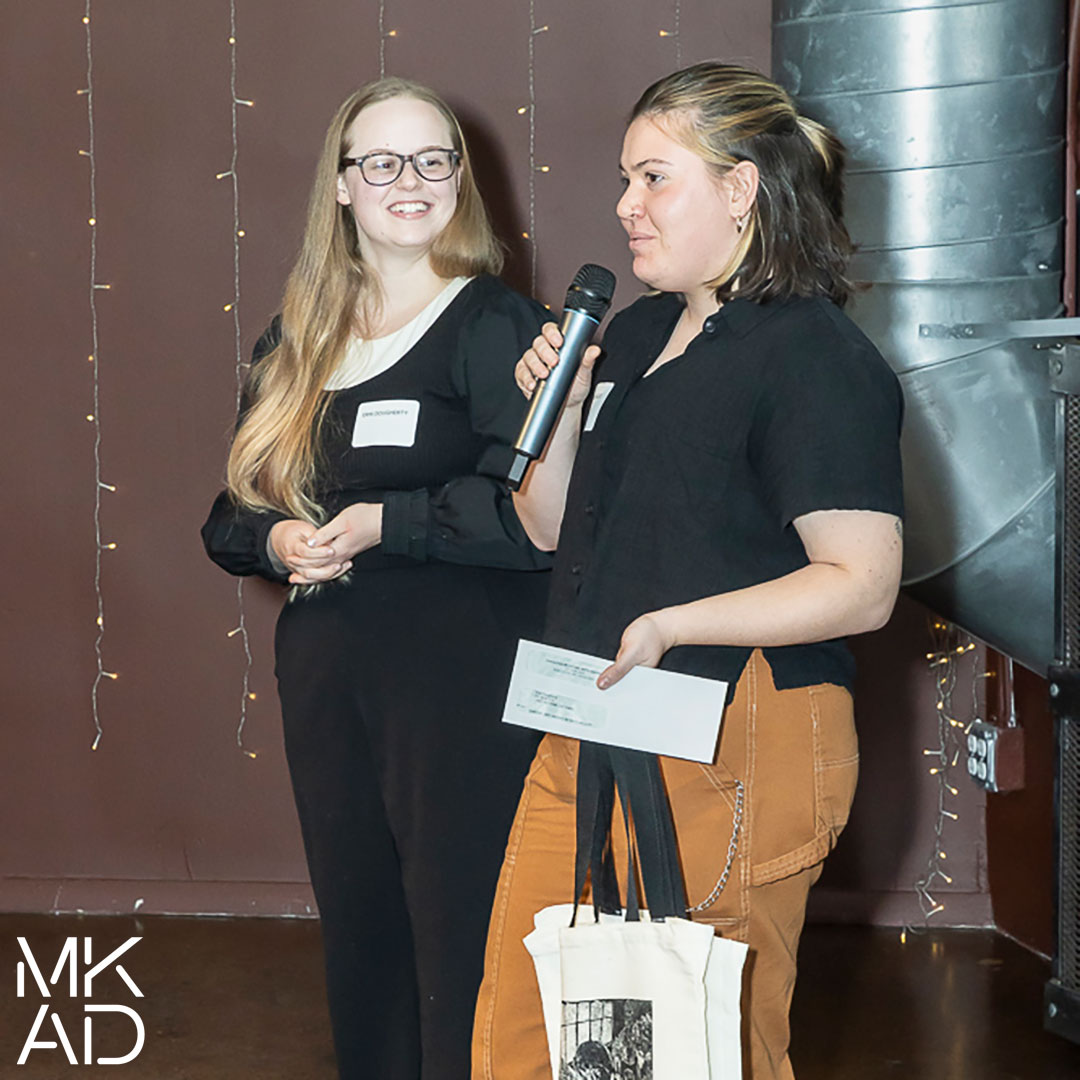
<point x="662" y="712"/>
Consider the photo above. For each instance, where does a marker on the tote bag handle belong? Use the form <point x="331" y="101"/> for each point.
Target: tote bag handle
<point x="636" y="775"/>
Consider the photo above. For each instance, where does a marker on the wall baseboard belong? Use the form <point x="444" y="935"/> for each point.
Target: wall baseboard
<point x="294" y="899"/>
<point x="100" y="896"/>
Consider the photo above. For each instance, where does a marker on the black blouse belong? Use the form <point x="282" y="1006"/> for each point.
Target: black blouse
<point x="441" y="497"/>
<point x="688" y="481"/>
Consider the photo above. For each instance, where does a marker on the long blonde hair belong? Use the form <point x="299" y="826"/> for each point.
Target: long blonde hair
<point x="330" y="295"/>
<point x="794" y="241"/>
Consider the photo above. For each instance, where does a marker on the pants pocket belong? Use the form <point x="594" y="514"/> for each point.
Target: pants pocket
<point x="836" y="757"/>
<point x="705" y="804"/>
<point x="804" y="766"/>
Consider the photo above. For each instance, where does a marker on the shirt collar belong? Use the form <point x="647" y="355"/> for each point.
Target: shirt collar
<point x="741" y="316"/>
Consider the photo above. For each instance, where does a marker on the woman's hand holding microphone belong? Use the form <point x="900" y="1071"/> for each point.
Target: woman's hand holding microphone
<point x="538" y="361"/>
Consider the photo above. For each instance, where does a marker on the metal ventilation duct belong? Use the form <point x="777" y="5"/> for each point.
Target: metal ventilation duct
<point x="954" y="117"/>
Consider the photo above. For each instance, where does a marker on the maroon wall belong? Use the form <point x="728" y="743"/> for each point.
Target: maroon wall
<point x="168" y="814"/>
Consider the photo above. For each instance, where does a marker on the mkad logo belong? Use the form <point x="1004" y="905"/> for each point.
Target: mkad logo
<point x="69" y="956"/>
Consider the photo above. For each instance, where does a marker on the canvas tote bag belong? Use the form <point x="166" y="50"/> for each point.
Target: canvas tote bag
<point x="629" y="994"/>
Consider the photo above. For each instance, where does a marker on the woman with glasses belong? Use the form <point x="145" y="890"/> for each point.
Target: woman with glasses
<point x="376" y="415"/>
<point x="733" y="507"/>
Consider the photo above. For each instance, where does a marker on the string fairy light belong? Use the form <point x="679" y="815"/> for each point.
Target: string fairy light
<point x="948" y="647"/>
<point x="383" y="35"/>
<point x="530" y="111"/>
<point x="676" y="33"/>
<point x="233" y="308"/>
<point x="94" y="417"/>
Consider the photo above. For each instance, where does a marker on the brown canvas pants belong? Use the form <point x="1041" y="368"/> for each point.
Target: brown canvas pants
<point x="796" y="755"/>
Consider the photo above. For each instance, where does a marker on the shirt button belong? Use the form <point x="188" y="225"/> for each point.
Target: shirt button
<point x="709" y="326"/>
<point x="576" y="568"/>
<point x="590" y="509"/>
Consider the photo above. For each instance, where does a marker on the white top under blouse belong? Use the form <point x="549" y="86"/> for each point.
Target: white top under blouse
<point x="367" y="357"/>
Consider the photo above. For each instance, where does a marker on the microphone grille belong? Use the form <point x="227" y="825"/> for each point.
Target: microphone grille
<point x="591" y="291"/>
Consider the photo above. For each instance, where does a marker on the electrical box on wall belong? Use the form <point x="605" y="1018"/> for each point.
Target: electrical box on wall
<point x="996" y="756"/>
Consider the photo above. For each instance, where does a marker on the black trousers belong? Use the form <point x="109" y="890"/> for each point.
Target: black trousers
<point x="406" y="782"/>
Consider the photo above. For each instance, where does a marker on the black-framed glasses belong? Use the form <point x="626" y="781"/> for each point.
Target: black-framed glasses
<point x="384" y="166"/>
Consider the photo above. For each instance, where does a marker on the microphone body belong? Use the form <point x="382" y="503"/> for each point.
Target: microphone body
<point x="586" y="303"/>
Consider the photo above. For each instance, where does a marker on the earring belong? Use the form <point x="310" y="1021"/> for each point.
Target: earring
<point x="740" y="222"/>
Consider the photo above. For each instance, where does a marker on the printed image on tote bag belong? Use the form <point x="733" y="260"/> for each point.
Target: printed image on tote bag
<point x="606" y="1040"/>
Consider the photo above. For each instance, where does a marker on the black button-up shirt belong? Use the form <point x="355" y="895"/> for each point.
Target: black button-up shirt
<point x="687" y="481"/>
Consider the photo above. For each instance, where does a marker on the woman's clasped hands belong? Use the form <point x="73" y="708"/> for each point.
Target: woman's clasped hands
<point x="314" y="555"/>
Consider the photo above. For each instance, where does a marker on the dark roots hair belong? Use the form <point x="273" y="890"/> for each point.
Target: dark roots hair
<point x="795" y="242"/>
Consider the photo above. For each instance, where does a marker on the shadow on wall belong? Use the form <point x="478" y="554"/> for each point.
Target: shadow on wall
<point x="496" y="185"/>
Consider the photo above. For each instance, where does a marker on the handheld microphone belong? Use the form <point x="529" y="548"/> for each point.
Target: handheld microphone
<point x="586" y="303"/>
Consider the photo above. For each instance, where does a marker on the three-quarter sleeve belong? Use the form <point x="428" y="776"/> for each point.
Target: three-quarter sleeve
<point x="472" y="519"/>
<point x="237" y="538"/>
<point x="826" y="433"/>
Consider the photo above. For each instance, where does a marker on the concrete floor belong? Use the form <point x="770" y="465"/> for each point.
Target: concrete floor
<point x="232" y="999"/>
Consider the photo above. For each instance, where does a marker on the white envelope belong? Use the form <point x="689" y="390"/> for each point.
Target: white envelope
<point x="663" y="712"/>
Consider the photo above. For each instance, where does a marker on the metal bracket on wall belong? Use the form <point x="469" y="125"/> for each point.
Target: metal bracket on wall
<point x="1065" y="369"/>
<point x="1019" y="330"/>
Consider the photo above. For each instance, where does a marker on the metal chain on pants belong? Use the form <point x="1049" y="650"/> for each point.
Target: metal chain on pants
<point x="736" y="825"/>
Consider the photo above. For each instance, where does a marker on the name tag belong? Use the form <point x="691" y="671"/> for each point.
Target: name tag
<point x="386" y="423"/>
<point x="600" y="395"/>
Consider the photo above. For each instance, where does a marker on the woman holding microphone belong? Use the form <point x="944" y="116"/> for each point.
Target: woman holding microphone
<point x="727" y="503"/>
